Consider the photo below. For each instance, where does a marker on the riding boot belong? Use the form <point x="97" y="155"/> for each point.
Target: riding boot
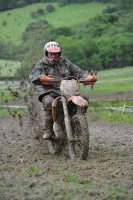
<point x="59" y="130"/>
<point x="48" y="129"/>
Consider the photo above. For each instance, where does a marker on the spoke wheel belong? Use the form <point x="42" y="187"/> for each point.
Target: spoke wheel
<point x="79" y="148"/>
<point x="54" y="146"/>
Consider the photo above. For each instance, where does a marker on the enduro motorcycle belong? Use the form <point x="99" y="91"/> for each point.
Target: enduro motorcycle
<point x="72" y="108"/>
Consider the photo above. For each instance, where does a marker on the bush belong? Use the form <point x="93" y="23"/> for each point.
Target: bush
<point x="110" y="9"/>
<point x="33" y="14"/>
<point x="40" y="11"/>
<point x="4" y="23"/>
<point x="61" y="4"/>
<point x="50" y="8"/>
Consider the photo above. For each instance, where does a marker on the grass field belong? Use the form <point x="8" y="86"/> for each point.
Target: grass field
<point x="114" y="80"/>
<point x="113" y="72"/>
<point x="69" y="16"/>
<point x="8" y="68"/>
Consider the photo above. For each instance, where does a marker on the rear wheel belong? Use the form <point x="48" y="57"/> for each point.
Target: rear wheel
<point x="57" y="143"/>
<point x="79" y="148"/>
<point x="54" y="146"/>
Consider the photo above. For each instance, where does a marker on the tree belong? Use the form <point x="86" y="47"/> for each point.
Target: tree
<point x="30" y="59"/>
<point x="96" y="26"/>
<point x="96" y="62"/>
<point x="7" y="4"/>
<point x="63" y="31"/>
<point x="33" y="28"/>
<point x="124" y="5"/>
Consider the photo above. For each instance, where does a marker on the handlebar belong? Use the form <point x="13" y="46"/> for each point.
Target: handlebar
<point x="50" y="80"/>
<point x="84" y="81"/>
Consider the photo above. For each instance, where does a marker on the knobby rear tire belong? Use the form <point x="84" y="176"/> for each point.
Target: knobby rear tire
<point x="54" y="146"/>
<point x="80" y="130"/>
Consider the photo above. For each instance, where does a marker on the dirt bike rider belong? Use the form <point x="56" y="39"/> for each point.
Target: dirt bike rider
<point x="52" y="65"/>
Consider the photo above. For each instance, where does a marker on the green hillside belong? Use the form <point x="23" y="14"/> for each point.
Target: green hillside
<point x="17" y="19"/>
<point x="93" y="35"/>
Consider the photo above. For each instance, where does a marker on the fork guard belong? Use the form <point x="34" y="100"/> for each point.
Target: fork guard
<point x="54" y="105"/>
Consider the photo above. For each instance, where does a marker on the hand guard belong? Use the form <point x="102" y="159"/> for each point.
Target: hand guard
<point x="90" y="80"/>
<point x="46" y="80"/>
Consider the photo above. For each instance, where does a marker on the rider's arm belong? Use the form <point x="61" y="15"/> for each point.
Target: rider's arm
<point x="77" y="72"/>
<point x="35" y="74"/>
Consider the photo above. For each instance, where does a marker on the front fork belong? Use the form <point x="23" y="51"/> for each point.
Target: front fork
<point x="68" y="122"/>
<point x="67" y="119"/>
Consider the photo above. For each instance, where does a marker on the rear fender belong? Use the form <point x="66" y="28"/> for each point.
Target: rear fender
<point x="79" y="101"/>
<point x="54" y="108"/>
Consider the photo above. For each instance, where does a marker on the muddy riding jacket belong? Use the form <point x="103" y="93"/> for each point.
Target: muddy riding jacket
<point x="61" y="69"/>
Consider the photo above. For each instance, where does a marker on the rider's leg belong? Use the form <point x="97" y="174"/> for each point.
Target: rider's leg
<point x="48" y="121"/>
<point x="58" y="126"/>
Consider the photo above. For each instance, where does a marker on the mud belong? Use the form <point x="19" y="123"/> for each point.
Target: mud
<point x="29" y="172"/>
<point x="122" y="95"/>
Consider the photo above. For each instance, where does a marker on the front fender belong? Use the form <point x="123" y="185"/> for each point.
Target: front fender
<point x="78" y="100"/>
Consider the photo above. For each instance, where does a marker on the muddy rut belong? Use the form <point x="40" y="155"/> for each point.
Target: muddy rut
<point x="29" y="172"/>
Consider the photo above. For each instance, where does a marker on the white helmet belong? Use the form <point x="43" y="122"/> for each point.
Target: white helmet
<point x="52" y="47"/>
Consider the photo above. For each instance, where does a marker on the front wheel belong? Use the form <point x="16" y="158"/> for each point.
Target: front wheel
<point x="79" y="148"/>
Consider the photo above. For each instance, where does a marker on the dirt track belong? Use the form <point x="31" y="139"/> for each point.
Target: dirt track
<point x="110" y="96"/>
<point x="29" y="172"/>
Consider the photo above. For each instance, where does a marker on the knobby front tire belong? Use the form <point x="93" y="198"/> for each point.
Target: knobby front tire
<point x="80" y="131"/>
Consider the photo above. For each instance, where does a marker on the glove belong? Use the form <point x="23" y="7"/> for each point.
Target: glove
<point x="91" y="80"/>
<point x="46" y="80"/>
